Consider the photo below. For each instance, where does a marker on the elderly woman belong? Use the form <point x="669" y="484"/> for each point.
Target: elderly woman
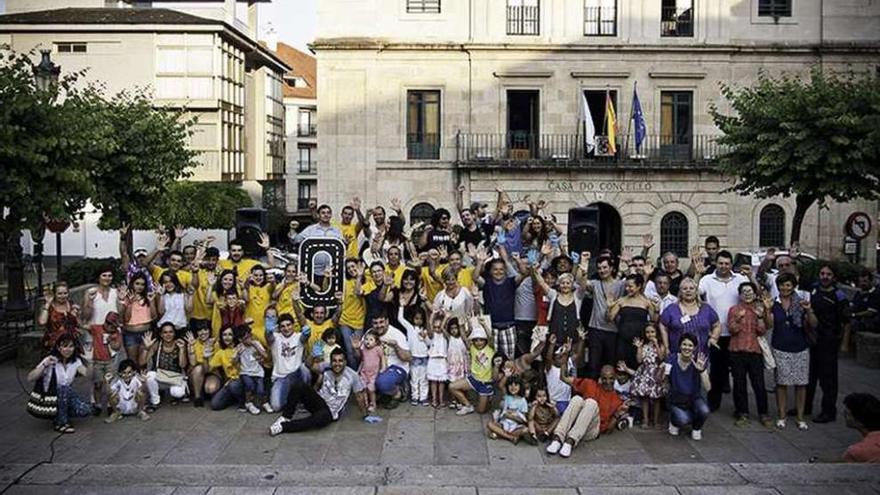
<point x="563" y="309"/>
<point x="454" y="300"/>
<point x="692" y="316"/>
<point x="747" y="321"/>
<point x="792" y="317"/>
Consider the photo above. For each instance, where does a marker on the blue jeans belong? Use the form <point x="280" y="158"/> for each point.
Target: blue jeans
<point x="695" y="415"/>
<point x="254" y="385"/>
<point x="231" y="393"/>
<point x="70" y="406"/>
<point x="388" y="380"/>
<point x="281" y="387"/>
<point x="347" y="332"/>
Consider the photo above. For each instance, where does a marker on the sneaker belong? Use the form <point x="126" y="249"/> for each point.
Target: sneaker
<point x="144" y="416"/>
<point x="565" y="451"/>
<point x="425" y="403"/>
<point x="673" y="430"/>
<point x="268" y="407"/>
<point x="184" y="399"/>
<point x="696" y="435"/>
<point x="276" y="427"/>
<point x="114" y="416"/>
<point x="414" y="402"/>
<point x="803" y="426"/>
<point x="251" y="408"/>
<point x="554" y="447"/>
<point x="767" y="422"/>
<point x="151" y="408"/>
<point x="780" y="424"/>
<point x="742" y="421"/>
<point x="465" y="410"/>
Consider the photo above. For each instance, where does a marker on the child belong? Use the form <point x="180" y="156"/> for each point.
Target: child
<point x="510" y="422"/>
<point x="543" y="415"/>
<point x="417" y="337"/>
<point x="558" y="364"/>
<point x="623" y="387"/>
<point x="456" y="355"/>
<point x="373" y="362"/>
<point x="328" y="344"/>
<point x="127" y="394"/>
<point x="481" y="374"/>
<point x="251" y="355"/>
<point x="438" y="371"/>
<point x="648" y="384"/>
<point x="106" y="342"/>
<point x="232" y="310"/>
<point x="225" y="359"/>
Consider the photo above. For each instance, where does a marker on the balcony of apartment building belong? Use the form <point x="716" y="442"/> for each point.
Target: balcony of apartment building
<point x="563" y="151"/>
<point x="307" y="130"/>
<point x="307" y="167"/>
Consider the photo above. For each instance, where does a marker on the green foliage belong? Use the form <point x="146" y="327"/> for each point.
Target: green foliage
<point x="206" y="205"/>
<point x="844" y="271"/>
<point x="818" y="139"/>
<point x="86" y="271"/>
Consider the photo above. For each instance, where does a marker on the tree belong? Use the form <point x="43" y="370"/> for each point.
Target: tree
<point x="817" y="139"/>
<point x="49" y="142"/>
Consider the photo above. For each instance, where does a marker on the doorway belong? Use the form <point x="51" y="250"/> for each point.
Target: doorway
<point x="594" y="227"/>
<point x="523" y="132"/>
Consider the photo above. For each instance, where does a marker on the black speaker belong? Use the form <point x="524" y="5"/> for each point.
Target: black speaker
<point x="583" y="229"/>
<point x="249" y="224"/>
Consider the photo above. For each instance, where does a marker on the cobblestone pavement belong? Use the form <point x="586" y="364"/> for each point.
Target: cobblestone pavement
<point x="192" y="450"/>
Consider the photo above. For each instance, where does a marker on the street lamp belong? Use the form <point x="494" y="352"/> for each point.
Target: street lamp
<point x="46" y="72"/>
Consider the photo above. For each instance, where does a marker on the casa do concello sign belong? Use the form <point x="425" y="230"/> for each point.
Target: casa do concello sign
<point x="598" y="186"/>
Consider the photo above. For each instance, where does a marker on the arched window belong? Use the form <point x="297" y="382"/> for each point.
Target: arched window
<point x="421" y="212"/>
<point x="771" y="226"/>
<point x="674" y="234"/>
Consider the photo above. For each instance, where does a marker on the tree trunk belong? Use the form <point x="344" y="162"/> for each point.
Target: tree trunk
<point x="803" y="203"/>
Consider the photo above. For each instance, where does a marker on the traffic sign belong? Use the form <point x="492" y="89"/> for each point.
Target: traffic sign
<point x="858" y="225"/>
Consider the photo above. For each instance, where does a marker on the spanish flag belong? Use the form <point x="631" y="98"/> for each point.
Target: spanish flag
<point x="610" y="124"/>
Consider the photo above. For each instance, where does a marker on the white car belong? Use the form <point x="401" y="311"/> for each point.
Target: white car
<point x="754" y="258"/>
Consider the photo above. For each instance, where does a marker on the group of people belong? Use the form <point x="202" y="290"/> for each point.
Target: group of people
<point x="493" y="313"/>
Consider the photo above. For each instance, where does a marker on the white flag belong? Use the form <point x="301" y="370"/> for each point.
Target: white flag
<point x="589" y="128"/>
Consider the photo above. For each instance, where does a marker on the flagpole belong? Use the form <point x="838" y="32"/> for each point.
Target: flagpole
<point x="577" y="127"/>
<point x="629" y="121"/>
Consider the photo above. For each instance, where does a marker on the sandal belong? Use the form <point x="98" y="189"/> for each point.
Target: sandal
<point x="493" y="435"/>
<point x="65" y="429"/>
<point x="802" y="425"/>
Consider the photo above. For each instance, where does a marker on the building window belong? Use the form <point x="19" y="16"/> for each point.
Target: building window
<point x="423" y="6"/>
<point x="523" y="17"/>
<point x="774" y="8"/>
<point x="70" y="47"/>
<point x="676" y="124"/>
<point x="423" y="125"/>
<point x="421" y="212"/>
<point x="674" y="234"/>
<point x="306" y="163"/>
<point x="600" y="17"/>
<point x="677" y="18"/>
<point x="307" y="126"/>
<point x="771" y="226"/>
<point x="307" y="193"/>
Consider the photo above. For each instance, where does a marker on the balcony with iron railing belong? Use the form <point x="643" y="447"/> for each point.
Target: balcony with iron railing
<point x="676" y="22"/>
<point x="307" y="130"/>
<point x="522" y="150"/>
<point x="523" y="20"/>
<point x="307" y="167"/>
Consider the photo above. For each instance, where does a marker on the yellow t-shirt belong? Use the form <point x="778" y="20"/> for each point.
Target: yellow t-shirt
<point x="317" y="330"/>
<point x="481" y="363"/>
<point x="354" y="310"/>
<point x="432" y="287"/>
<point x="201" y="308"/>
<point x="183" y="276"/>
<point x="216" y="317"/>
<point x="199" y="352"/>
<point x="350" y="234"/>
<point x="243" y="267"/>
<point x="222" y="358"/>
<point x="259" y="299"/>
<point x="285" y="300"/>
<point x="396" y="272"/>
<point x="465" y="275"/>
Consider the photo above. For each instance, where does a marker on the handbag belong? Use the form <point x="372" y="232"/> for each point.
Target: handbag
<point x="767" y="352"/>
<point x="42" y="403"/>
<point x="171" y="378"/>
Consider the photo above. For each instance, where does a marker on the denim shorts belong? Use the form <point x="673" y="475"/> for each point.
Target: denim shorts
<point x="131" y="339"/>
<point x="483" y="389"/>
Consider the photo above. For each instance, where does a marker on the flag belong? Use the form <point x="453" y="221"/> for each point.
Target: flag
<point x="589" y="128"/>
<point x="610" y="123"/>
<point x="638" y="120"/>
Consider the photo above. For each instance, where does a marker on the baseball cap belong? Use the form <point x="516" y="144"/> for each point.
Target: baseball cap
<point x="140" y="252"/>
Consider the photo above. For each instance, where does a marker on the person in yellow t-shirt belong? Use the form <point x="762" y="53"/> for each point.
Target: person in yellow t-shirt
<point x="202" y="311"/>
<point x="395" y="267"/>
<point x="175" y="266"/>
<point x="351" y="227"/>
<point x="430" y="261"/>
<point x="200" y="349"/>
<point x="318" y="324"/>
<point x="237" y="262"/>
<point x="217" y="289"/>
<point x="225" y="359"/>
<point x="258" y="292"/>
<point x="464" y="274"/>
<point x="354" y="309"/>
<point x="285" y="291"/>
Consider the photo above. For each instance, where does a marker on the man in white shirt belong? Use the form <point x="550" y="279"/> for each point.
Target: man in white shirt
<point x="397" y="353"/>
<point x="720" y="290"/>
<point x="658" y="292"/>
<point x="287" y="361"/>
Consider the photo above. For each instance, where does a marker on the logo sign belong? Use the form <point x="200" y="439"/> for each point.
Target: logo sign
<point x="328" y="252"/>
<point x="858" y="225"/>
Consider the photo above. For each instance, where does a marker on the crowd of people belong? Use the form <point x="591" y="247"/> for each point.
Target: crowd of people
<point x="494" y="314"/>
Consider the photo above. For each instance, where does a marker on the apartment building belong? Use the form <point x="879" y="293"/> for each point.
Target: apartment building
<point x="420" y="96"/>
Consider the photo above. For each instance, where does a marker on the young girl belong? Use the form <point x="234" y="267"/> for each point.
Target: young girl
<point x="648" y="384"/>
<point x="174" y="305"/>
<point x="482" y="374"/>
<point x="138" y="313"/>
<point x="456" y="354"/>
<point x="438" y="371"/>
<point x="258" y="291"/>
<point x="418" y="340"/>
<point x="127" y="393"/>
<point x="225" y="359"/>
<point x="199" y="350"/>
<point x="543" y="415"/>
<point x="232" y="310"/>
<point x="326" y="347"/>
<point x="218" y="287"/>
<point x="251" y="356"/>
<point x="510" y="422"/>
<point x="373" y="362"/>
<point x="63" y="364"/>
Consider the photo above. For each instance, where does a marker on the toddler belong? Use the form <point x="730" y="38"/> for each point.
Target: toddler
<point x="438" y="371"/>
<point x="373" y="362"/>
<point x="648" y="384"/>
<point x="251" y="355"/>
<point x="623" y="387"/>
<point x="127" y="396"/>
<point x="510" y="422"/>
<point x="543" y="415"/>
<point x="417" y="337"/>
<point x="327" y="345"/>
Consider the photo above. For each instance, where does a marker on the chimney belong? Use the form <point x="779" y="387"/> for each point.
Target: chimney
<point x="252" y="18"/>
<point x="270" y="36"/>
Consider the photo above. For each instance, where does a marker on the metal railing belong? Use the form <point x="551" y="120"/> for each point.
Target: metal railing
<point x="524" y="20"/>
<point x="423" y="146"/>
<point x="676" y="22"/>
<point x="528" y="149"/>
<point x="307" y="130"/>
<point x="600" y="21"/>
<point x="307" y="166"/>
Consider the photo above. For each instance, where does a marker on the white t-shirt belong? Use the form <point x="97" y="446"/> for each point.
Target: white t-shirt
<point x="64" y="374"/>
<point x="664" y="302"/>
<point x="458" y="306"/>
<point x="175" y="310"/>
<point x="558" y="390"/>
<point x="286" y="354"/>
<point x="100" y="306"/>
<point x="438" y="346"/>
<point x="335" y="390"/>
<point x="774" y="290"/>
<point x="127" y="393"/>
<point x="721" y="295"/>
<point x="418" y="346"/>
<point x="249" y="362"/>
<point x="395" y="335"/>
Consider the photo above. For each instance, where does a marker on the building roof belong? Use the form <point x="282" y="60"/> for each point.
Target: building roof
<point x="72" y="15"/>
<point x="304" y="66"/>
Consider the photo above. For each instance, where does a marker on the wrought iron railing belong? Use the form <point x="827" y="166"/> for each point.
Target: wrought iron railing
<point x="307" y="130"/>
<point x="307" y="166"/>
<point x="560" y="148"/>
<point x="524" y="20"/>
<point x="676" y="22"/>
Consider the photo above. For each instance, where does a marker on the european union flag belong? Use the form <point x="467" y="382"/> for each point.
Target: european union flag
<point x="641" y="129"/>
